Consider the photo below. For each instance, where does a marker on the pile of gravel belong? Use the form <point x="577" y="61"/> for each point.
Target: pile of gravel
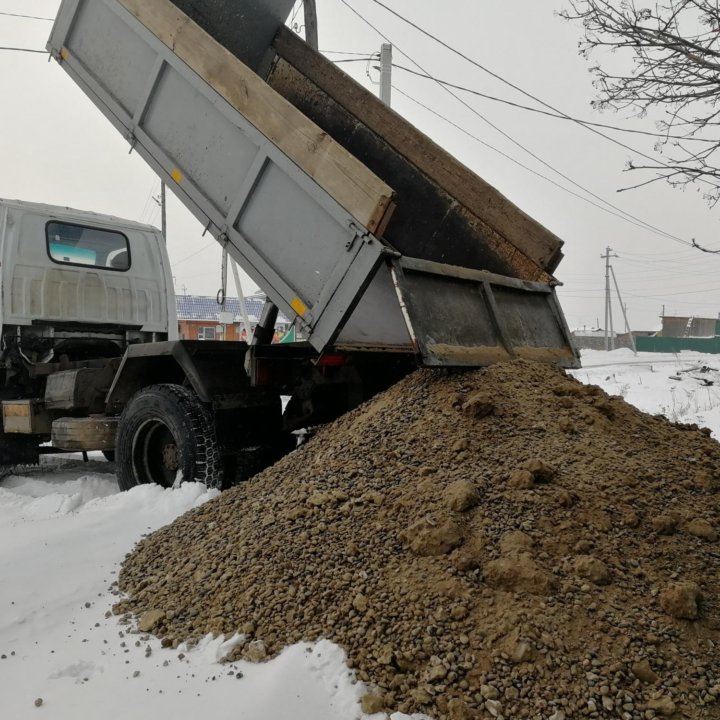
<point x="499" y="543"/>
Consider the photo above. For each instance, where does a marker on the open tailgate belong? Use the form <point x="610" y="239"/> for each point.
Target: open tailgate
<point x="462" y="317"/>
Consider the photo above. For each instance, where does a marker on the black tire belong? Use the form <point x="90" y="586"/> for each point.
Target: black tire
<point x="109" y="455"/>
<point x="163" y="430"/>
<point x="17" y="450"/>
<point x="243" y="465"/>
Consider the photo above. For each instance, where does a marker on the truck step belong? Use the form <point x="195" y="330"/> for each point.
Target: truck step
<point x="96" y="432"/>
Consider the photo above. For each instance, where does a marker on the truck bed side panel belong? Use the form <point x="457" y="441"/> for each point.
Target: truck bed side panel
<point x="351" y="184"/>
<point x="295" y="209"/>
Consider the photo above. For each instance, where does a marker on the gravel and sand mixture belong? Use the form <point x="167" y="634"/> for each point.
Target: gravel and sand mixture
<point x="503" y="543"/>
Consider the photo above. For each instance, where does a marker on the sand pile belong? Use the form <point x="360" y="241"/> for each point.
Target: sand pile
<point x="501" y="543"/>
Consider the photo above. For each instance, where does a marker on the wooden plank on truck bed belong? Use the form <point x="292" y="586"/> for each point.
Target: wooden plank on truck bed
<point x="365" y="196"/>
<point x="428" y="222"/>
<point x="474" y="195"/>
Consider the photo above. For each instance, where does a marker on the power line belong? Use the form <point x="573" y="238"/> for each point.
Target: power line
<point x="547" y="113"/>
<point x="507" y="82"/>
<point x="295" y="14"/>
<point x="621" y="214"/>
<point x="27" y="50"/>
<point x="148" y="200"/>
<point x="506" y="135"/>
<point x="342" y="52"/>
<point x="637" y="221"/>
<point x="192" y="255"/>
<point x="354" y="60"/>
<point x="670" y="294"/>
<point x="668" y="256"/>
<point x="29" y="17"/>
<point x="364" y="57"/>
<point x="652" y="265"/>
<point x="642" y="226"/>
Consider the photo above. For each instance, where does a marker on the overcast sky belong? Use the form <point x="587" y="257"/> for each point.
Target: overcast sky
<point x="56" y="147"/>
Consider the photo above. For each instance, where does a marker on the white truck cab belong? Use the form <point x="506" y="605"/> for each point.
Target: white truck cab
<point x="68" y="273"/>
<point x="76" y="290"/>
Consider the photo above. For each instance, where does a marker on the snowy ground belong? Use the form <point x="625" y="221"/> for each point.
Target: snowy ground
<point x="62" y="536"/>
<point x="64" y="530"/>
<point x="683" y="387"/>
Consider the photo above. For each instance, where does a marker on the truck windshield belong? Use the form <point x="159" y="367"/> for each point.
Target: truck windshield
<point x="82" y="245"/>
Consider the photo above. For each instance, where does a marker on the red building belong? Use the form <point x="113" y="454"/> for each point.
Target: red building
<point x="201" y="318"/>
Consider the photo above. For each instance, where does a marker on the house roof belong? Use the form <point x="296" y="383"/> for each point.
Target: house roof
<point x="205" y="307"/>
<point x="592" y="332"/>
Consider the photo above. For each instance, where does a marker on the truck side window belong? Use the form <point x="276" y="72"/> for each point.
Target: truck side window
<point x="83" y="245"/>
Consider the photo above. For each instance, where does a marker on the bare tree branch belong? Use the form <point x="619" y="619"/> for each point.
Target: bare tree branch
<point x="672" y="52"/>
<point x="703" y="249"/>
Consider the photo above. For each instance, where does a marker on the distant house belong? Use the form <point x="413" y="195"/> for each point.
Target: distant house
<point x="677" y="333"/>
<point x="689" y="327"/>
<point x="684" y="333"/>
<point x="594" y="339"/>
<point x="201" y="318"/>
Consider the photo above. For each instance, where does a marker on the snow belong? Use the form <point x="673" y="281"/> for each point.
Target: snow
<point x="673" y="385"/>
<point x="65" y="528"/>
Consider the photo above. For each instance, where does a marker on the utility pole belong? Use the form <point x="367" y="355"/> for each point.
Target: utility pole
<point x="241" y="300"/>
<point x="609" y="339"/>
<point x="163" y="212"/>
<point x="624" y="311"/>
<point x="311" y="25"/>
<point x="385" y="72"/>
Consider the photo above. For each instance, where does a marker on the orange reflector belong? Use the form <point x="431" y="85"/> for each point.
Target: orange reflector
<point x="298" y="306"/>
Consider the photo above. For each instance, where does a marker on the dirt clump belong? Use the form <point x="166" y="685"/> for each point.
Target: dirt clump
<point x="473" y="557"/>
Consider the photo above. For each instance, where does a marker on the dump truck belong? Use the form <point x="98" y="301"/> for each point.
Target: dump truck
<point x="78" y="289"/>
<point x="388" y="252"/>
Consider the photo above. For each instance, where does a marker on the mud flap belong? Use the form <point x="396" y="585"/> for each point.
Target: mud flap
<point x="461" y="317"/>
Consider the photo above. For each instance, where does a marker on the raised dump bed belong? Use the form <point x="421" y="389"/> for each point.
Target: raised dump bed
<point x="341" y="211"/>
<point x="444" y="211"/>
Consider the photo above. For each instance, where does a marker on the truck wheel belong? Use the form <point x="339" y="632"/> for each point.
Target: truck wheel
<point x="248" y="462"/>
<point x="17" y="451"/>
<point x="166" y="434"/>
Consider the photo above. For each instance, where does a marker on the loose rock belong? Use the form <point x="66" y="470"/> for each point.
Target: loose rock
<point x="702" y="529"/>
<point x="150" y="619"/>
<point x="462" y="495"/>
<point x="681" y="600"/>
<point x="642" y="671"/>
<point x="479" y="405"/>
<point x="593" y="569"/>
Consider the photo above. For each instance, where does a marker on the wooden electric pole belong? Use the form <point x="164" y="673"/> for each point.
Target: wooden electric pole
<point x="623" y="307"/>
<point x="386" y="73"/>
<point x="311" y="25"/>
<point x="609" y="339"/>
<point x="163" y="212"/>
